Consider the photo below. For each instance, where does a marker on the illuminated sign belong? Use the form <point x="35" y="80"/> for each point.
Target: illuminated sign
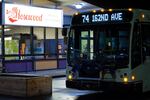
<point x="108" y="17"/>
<point x="32" y="16"/>
<point x="102" y="17"/>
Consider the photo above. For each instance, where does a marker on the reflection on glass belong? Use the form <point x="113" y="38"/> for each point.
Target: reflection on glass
<point x="39" y="48"/>
<point x="114" y="40"/>
<point x="91" y="45"/>
<point x="91" y="56"/>
<point x="11" y="46"/>
<point x="84" y="44"/>
<point x="91" y="34"/>
<point x="84" y="34"/>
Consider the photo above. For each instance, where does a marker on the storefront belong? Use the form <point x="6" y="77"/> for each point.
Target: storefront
<point x="30" y="38"/>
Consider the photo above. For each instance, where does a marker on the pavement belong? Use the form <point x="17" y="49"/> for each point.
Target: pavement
<point x="50" y="72"/>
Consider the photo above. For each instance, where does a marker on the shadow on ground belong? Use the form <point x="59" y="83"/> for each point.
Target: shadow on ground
<point x="5" y="97"/>
<point x="114" y="96"/>
<point x="94" y="96"/>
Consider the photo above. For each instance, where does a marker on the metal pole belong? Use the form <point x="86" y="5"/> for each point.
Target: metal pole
<point x="57" y="51"/>
<point x="45" y="43"/>
<point x="56" y="37"/>
<point x="3" y="49"/>
<point x="30" y="2"/>
<point x="3" y="42"/>
<point x="32" y="41"/>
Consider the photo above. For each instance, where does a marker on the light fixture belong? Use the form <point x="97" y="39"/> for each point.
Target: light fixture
<point x="79" y="5"/>
<point x="8" y="38"/>
<point x="7" y="29"/>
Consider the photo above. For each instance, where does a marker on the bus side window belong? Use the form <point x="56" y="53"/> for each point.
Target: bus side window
<point x="136" y="47"/>
<point x="145" y="30"/>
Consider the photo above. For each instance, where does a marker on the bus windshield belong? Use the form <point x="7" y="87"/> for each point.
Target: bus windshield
<point x="103" y="44"/>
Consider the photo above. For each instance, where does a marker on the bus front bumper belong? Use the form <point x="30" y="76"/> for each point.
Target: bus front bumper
<point x="105" y="85"/>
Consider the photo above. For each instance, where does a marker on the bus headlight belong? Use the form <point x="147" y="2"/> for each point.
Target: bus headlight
<point x="70" y="76"/>
<point x="133" y="77"/>
<point x="125" y="79"/>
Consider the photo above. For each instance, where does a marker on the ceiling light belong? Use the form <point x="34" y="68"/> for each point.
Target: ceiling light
<point x="79" y="5"/>
<point x="7" y="29"/>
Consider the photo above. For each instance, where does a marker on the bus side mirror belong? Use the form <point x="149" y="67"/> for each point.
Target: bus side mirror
<point x="64" y="32"/>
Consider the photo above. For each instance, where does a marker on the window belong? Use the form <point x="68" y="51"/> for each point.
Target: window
<point x="17" y="43"/>
<point x="136" y="47"/>
<point x="38" y="42"/>
<point x="145" y="30"/>
<point x="115" y="38"/>
<point x="87" y="44"/>
<point x="141" y="43"/>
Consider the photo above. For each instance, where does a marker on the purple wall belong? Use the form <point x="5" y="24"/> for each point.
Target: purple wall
<point x="18" y="66"/>
<point x="62" y="63"/>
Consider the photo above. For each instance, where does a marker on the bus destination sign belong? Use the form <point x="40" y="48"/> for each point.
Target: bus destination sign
<point x="89" y="18"/>
<point x="102" y="17"/>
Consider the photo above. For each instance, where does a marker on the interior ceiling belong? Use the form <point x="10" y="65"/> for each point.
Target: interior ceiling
<point x="120" y="4"/>
<point x="67" y="5"/>
<point x="69" y="8"/>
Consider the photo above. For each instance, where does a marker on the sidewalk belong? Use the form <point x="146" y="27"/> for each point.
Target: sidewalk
<point x="50" y="72"/>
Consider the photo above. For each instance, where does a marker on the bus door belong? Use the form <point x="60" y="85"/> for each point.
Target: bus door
<point x="87" y="44"/>
<point x="141" y="44"/>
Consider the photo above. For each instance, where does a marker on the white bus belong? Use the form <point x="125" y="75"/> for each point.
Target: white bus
<point x="109" y="50"/>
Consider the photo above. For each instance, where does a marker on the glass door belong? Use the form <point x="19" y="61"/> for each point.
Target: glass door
<point x="87" y="44"/>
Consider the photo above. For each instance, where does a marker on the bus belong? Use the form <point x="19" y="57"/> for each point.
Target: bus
<point x="109" y="50"/>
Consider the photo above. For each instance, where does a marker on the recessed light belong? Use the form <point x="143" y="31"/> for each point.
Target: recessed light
<point x="79" y="5"/>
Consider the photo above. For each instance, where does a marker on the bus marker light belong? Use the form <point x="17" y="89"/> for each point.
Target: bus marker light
<point x="110" y="10"/>
<point x="130" y="9"/>
<point x="94" y="11"/>
<point x="76" y="13"/>
<point x="102" y="10"/>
